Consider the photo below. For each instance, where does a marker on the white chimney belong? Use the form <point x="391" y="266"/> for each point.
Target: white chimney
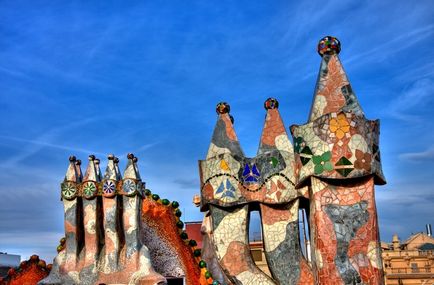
<point x="428" y="230"/>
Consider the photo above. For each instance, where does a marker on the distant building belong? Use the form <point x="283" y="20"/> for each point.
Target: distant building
<point x="7" y="261"/>
<point x="410" y="262"/>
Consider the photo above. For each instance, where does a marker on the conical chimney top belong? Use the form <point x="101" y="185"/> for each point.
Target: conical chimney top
<point x="131" y="171"/>
<point x="224" y="139"/>
<point x="91" y="172"/>
<point x="110" y="171"/>
<point x="333" y="92"/>
<point x="274" y="135"/>
<point x="71" y="172"/>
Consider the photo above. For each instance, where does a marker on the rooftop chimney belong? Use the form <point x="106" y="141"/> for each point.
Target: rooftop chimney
<point x="428" y="230"/>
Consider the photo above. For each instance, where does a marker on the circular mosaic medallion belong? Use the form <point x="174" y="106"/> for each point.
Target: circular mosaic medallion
<point x="89" y="190"/>
<point x="68" y="190"/>
<point x="129" y="187"/>
<point x="109" y="188"/>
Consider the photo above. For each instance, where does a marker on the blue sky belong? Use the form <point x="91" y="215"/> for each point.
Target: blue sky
<point x="100" y="77"/>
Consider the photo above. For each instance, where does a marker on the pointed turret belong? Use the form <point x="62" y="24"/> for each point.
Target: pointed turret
<point x="333" y="92"/>
<point x="224" y="139"/>
<point x="131" y="172"/>
<point x="110" y="171"/>
<point x="274" y="135"/>
<point x="91" y="171"/>
<point x="71" y="172"/>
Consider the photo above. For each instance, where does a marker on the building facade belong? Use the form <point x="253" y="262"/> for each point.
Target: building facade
<point x="410" y="262"/>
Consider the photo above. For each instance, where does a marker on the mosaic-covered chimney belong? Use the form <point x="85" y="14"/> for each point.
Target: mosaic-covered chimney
<point x="337" y="156"/>
<point x="330" y="170"/>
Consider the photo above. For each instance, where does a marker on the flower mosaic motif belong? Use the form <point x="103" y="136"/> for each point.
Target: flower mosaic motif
<point x="339" y="126"/>
<point x="322" y="162"/>
<point x="89" y="189"/>
<point x="68" y="190"/>
<point x="129" y="187"/>
<point x="251" y="174"/>
<point x="227" y="189"/>
<point x="363" y="160"/>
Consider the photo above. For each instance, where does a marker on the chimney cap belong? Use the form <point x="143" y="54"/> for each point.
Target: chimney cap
<point x="329" y="45"/>
<point x="271" y="103"/>
<point x="223" y="108"/>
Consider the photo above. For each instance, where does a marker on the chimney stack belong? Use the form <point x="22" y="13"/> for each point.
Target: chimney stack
<point x="428" y="230"/>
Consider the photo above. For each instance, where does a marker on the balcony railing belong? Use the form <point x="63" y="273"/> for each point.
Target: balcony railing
<point x="408" y="270"/>
<point x="407" y="253"/>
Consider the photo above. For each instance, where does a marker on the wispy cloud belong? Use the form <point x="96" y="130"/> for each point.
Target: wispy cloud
<point x="402" y="41"/>
<point x="51" y="145"/>
<point x="33" y="146"/>
<point x="13" y="72"/>
<point x="418" y="156"/>
<point x="146" y="147"/>
<point x="420" y="94"/>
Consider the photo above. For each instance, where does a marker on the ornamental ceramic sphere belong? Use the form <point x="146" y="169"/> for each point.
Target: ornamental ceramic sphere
<point x="223" y="108"/>
<point x="329" y="45"/>
<point x="271" y="103"/>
